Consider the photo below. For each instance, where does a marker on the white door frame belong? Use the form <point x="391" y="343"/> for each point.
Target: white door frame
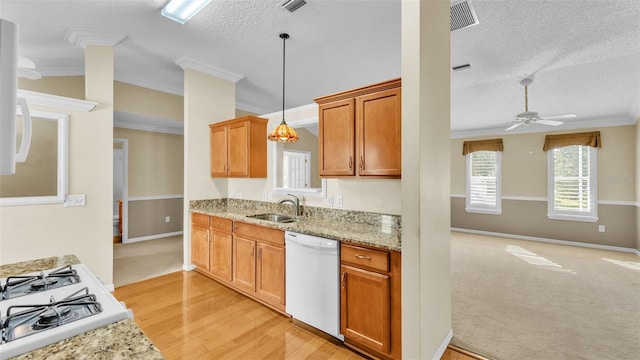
<point x="125" y="187"/>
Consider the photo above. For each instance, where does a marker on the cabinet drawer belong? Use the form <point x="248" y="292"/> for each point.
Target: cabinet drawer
<point x="363" y="257"/>
<point x="260" y="233"/>
<point x="200" y="219"/>
<point x="221" y="224"/>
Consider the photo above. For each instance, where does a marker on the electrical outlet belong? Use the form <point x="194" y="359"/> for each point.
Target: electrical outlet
<point x="265" y="195"/>
<point x="601" y="228"/>
<point x="339" y="201"/>
<point x="167" y="219"/>
<point x="330" y="200"/>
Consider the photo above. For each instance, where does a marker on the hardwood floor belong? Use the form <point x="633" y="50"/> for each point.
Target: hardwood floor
<point x="189" y="316"/>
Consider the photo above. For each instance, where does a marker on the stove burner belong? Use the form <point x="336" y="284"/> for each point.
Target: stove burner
<point x="16" y="286"/>
<point x="39" y="284"/>
<point x="53" y="316"/>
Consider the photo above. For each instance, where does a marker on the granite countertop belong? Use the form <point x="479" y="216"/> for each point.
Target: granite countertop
<point x="372" y="229"/>
<point x="120" y="340"/>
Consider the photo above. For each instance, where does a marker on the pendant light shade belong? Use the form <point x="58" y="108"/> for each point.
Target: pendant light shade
<point x="283" y="132"/>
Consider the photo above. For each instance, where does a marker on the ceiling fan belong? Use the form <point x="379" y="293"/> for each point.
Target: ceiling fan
<point x="26" y="69"/>
<point x="532" y="117"/>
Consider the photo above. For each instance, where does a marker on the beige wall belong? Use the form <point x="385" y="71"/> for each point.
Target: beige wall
<point x="35" y="231"/>
<point x="138" y="100"/>
<point x="156" y="162"/>
<point x="148" y="217"/>
<point x="524" y="174"/>
<point x="524" y="164"/>
<point x="68" y="86"/>
<point x="637" y="182"/>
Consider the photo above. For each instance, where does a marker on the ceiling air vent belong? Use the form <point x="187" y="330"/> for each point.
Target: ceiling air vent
<point x="463" y="15"/>
<point x="292" y="5"/>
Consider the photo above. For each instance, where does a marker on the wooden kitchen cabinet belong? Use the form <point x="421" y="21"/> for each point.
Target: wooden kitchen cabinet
<point x="370" y="300"/>
<point x="244" y="264"/>
<point x="221" y="248"/>
<point x="360" y="132"/>
<point x="239" y="148"/>
<point x="260" y="263"/>
<point x="200" y="241"/>
<point x="270" y="273"/>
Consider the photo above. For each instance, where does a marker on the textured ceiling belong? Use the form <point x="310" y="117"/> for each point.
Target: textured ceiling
<point x="584" y="55"/>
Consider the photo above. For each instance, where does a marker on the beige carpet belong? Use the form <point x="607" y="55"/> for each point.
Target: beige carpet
<point x="515" y="299"/>
<point x="146" y="259"/>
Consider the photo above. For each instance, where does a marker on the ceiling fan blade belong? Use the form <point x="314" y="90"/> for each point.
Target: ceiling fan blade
<point x="29" y="74"/>
<point x="513" y="126"/>
<point x="549" y="122"/>
<point x="559" y="116"/>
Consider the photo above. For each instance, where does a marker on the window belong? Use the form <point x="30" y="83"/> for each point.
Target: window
<point x="572" y="183"/>
<point x="483" y="182"/>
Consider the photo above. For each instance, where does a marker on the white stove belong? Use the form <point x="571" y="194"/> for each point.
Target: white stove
<point x="42" y="308"/>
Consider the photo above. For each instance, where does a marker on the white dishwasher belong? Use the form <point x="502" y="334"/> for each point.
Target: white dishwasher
<point x="313" y="281"/>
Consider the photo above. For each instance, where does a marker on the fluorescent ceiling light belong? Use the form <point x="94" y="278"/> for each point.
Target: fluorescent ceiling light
<point x="183" y="10"/>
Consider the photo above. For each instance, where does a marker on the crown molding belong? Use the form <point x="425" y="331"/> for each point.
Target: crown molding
<point x="568" y="125"/>
<point x="147" y="123"/>
<point x="85" y="37"/>
<point x="187" y="63"/>
<point x="55" y="101"/>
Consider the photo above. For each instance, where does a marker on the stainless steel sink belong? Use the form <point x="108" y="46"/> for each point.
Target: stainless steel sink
<point x="273" y="217"/>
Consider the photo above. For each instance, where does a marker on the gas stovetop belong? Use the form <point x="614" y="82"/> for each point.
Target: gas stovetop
<point x="42" y="308"/>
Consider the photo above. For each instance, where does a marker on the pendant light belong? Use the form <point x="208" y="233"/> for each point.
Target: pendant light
<point x="283" y="132"/>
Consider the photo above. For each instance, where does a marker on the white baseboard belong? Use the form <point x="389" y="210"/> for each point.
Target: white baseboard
<point x="188" y="267"/>
<point x="151" y="237"/>
<point x="443" y="345"/>
<point x="110" y="287"/>
<point x="552" y="241"/>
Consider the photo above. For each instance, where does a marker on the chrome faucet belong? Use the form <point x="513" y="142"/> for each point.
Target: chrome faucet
<point x="295" y="203"/>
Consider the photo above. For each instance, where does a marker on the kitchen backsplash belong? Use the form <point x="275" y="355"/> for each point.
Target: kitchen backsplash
<point x="376" y="219"/>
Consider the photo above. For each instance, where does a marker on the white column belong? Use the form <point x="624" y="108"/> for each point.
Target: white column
<point x="426" y="285"/>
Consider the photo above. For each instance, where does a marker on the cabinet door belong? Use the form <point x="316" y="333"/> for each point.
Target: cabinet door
<point x="365" y="308"/>
<point x="336" y="128"/>
<point x="221" y="255"/>
<point x="244" y="264"/>
<point x="200" y="247"/>
<point x="218" y="146"/>
<point x="238" y="149"/>
<point x="270" y="273"/>
<point x="379" y="128"/>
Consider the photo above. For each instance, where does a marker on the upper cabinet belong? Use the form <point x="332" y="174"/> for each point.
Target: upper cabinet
<point x="239" y="148"/>
<point x="360" y="132"/>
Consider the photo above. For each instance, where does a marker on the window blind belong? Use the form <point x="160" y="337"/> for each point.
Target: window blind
<point x="572" y="178"/>
<point x="483" y="180"/>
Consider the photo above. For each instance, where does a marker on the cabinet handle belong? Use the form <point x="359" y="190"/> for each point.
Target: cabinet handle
<point x="361" y="162"/>
<point x="363" y="257"/>
<point x="344" y="279"/>
<point x="350" y="162"/>
<point x="252" y="251"/>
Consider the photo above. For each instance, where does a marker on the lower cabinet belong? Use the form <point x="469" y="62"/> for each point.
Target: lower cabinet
<point x="370" y="300"/>
<point x="246" y="257"/>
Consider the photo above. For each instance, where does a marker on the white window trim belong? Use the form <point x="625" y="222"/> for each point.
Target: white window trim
<point x="552" y="213"/>
<point x="497" y="210"/>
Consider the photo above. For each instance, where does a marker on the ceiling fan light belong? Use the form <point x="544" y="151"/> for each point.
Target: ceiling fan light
<point x="283" y="133"/>
<point x="181" y="11"/>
